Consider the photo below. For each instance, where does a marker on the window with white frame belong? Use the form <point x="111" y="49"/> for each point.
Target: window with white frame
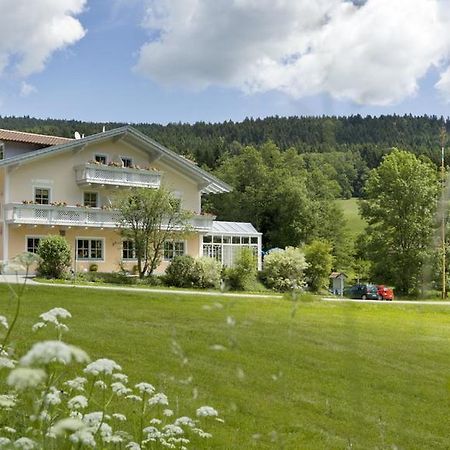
<point x="102" y="159"/>
<point x="128" y="250"/>
<point x="90" y="199"/>
<point x="172" y="249"/>
<point x="33" y="243"/>
<point x="126" y="161"/>
<point x="41" y="195"/>
<point x="90" y="249"/>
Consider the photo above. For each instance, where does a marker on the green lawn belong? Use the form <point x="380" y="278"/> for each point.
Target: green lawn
<point x="333" y="376"/>
<point x="355" y="222"/>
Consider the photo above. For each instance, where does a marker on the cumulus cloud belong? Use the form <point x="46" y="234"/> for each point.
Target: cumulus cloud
<point x="31" y="31"/>
<point x="367" y="51"/>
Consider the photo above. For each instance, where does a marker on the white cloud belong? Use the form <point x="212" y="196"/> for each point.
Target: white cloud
<point x="27" y="89"/>
<point x="31" y="31"/>
<point x="370" y="52"/>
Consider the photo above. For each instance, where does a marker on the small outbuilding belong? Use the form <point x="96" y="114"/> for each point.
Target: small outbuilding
<point x="337" y="280"/>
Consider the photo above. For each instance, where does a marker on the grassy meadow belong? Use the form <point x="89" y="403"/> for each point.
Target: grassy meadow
<point x="355" y="222"/>
<point x="321" y="376"/>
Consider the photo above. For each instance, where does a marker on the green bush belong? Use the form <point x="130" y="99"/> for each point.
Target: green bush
<point x="207" y="273"/>
<point x="242" y="276"/>
<point x="93" y="268"/>
<point x="106" y="277"/>
<point x="181" y="272"/>
<point x="284" y="270"/>
<point x="56" y="257"/>
<point x="320" y="261"/>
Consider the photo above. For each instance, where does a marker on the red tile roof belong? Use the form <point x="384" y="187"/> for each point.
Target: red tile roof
<point x="32" y="138"/>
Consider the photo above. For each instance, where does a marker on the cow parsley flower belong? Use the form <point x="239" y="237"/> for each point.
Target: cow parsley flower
<point x="4" y="442"/>
<point x="68" y="424"/>
<point x="133" y="446"/>
<point x="158" y="399"/>
<point x="25" y="443"/>
<point x="7" y="363"/>
<point x="184" y="421"/>
<point x="102" y="365"/>
<point x="119" y="417"/>
<point x="206" y="411"/>
<point x="23" y="378"/>
<point x="101" y="384"/>
<point x="133" y="397"/>
<point x="145" y="387"/>
<point x="119" y="388"/>
<point x="78" y="402"/>
<point x="172" y="430"/>
<point x="167" y="412"/>
<point x="76" y="384"/>
<point x="53" y="397"/>
<point x="94" y="419"/>
<point x="46" y="352"/>
<point x="84" y="437"/>
<point x="201" y="433"/>
<point x="4" y="322"/>
<point x="54" y="314"/>
<point x="120" y="377"/>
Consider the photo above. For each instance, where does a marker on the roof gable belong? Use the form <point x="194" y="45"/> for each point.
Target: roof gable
<point x="208" y="183"/>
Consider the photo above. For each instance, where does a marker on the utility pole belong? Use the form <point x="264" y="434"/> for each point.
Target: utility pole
<point x="444" y="210"/>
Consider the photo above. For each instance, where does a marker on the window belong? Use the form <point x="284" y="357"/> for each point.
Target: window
<point x="33" y="244"/>
<point x="101" y="159"/>
<point x="90" y="199"/>
<point x="172" y="249"/>
<point x="90" y="249"/>
<point x="126" y="162"/>
<point x="128" y="250"/>
<point x="42" y="196"/>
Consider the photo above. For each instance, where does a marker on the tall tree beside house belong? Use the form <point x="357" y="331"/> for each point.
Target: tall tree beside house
<point x="399" y="206"/>
<point x="148" y="218"/>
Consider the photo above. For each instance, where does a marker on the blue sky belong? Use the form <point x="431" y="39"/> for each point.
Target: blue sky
<point x="138" y="61"/>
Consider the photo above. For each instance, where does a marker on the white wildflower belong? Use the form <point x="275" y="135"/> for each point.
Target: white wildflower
<point x="94" y="419"/>
<point x="184" y="421"/>
<point x="172" y="430"/>
<point x="145" y="387"/>
<point x="4" y="322"/>
<point x="83" y="436"/>
<point x="158" y="399"/>
<point x="37" y="326"/>
<point x="152" y="433"/>
<point x="25" y="443"/>
<point x="4" y="442"/>
<point x="55" y="313"/>
<point x="7" y="362"/>
<point x="120" y="377"/>
<point x="114" y="439"/>
<point x="53" y="396"/>
<point x="102" y="365"/>
<point x="119" y="417"/>
<point x="9" y="430"/>
<point x="105" y="432"/>
<point x="155" y="421"/>
<point x="76" y="384"/>
<point x="206" y="411"/>
<point x="78" y="402"/>
<point x="201" y="433"/>
<point x="101" y="384"/>
<point x="68" y="424"/>
<point x="133" y="446"/>
<point x="168" y="412"/>
<point x="119" y="388"/>
<point x="24" y="378"/>
<point x="133" y="397"/>
<point x="53" y="351"/>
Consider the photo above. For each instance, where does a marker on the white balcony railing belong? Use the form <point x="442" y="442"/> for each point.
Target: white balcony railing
<point x="88" y="174"/>
<point x="31" y="214"/>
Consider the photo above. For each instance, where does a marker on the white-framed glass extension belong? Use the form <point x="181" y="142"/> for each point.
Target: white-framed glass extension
<point x="225" y="240"/>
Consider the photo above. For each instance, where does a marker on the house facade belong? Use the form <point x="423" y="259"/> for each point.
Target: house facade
<point x="58" y="186"/>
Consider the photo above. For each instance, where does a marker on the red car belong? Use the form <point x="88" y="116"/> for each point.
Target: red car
<point x="385" y="293"/>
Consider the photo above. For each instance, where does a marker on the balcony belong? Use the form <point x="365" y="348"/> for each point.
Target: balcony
<point x="32" y="214"/>
<point x="102" y="175"/>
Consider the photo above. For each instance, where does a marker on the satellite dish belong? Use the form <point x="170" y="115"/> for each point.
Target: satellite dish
<point x="77" y="135"/>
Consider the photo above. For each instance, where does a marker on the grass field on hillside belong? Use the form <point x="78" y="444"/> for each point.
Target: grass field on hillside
<point x="330" y="376"/>
<point x="355" y="222"/>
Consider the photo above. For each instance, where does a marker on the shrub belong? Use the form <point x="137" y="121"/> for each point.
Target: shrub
<point x="93" y="268"/>
<point x="319" y="259"/>
<point x="284" y="270"/>
<point x="207" y="273"/>
<point x="56" y="257"/>
<point x="242" y="276"/>
<point x="180" y="272"/>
